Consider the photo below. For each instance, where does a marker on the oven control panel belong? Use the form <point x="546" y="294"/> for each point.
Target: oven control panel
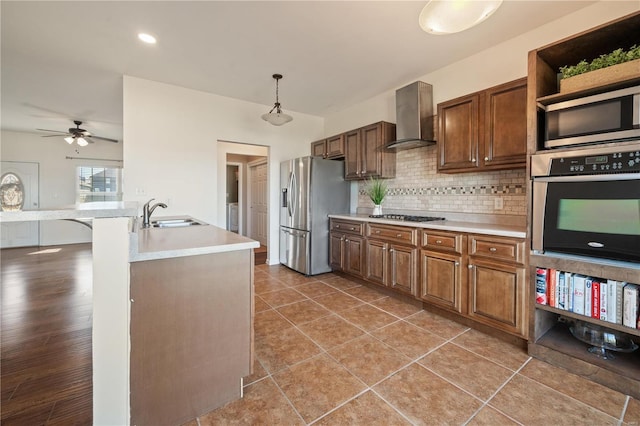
<point x="616" y="162"/>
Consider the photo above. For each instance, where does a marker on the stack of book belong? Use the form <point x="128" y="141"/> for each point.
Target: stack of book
<point x="607" y="300"/>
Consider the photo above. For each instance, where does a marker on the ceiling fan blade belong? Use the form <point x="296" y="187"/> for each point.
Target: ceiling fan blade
<point x="54" y="136"/>
<point x="101" y="138"/>
<point x="54" y="131"/>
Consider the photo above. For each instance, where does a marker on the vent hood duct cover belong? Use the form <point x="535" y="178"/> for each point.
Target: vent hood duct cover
<point x="414" y="117"/>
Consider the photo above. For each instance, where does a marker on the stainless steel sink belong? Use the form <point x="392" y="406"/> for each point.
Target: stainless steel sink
<point x="174" y="223"/>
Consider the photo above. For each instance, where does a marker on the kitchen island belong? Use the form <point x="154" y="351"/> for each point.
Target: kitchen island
<point x="191" y="297"/>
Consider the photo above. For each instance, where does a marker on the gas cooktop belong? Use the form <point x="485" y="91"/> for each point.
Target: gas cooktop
<point x="408" y="218"/>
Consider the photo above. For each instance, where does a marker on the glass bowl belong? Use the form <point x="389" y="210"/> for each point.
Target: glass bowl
<point x="602" y="339"/>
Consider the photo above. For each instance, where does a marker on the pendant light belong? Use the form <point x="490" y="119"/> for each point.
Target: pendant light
<point x="452" y="16"/>
<point x="277" y="118"/>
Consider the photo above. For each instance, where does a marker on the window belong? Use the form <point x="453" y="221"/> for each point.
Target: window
<point x="99" y="184"/>
<point x="11" y="193"/>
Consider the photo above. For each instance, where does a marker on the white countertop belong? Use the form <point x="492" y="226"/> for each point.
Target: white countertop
<point x="100" y="209"/>
<point x="446" y="225"/>
<point x="164" y="243"/>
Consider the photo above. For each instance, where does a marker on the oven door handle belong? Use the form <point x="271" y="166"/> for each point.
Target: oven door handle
<point x="588" y="178"/>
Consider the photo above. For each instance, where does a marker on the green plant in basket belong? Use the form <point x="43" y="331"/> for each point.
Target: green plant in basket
<point x="377" y="190"/>
<point x="618" y="56"/>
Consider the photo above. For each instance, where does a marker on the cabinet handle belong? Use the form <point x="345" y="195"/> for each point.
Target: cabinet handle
<point x="473" y="160"/>
<point x="470" y="266"/>
<point x="492" y="249"/>
<point x="384" y="248"/>
<point x="341" y="238"/>
<point x="364" y="171"/>
<point x="337" y="226"/>
<point x="377" y="232"/>
<point x="438" y="241"/>
<point x="486" y="158"/>
<point x="457" y="263"/>
<point x="352" y="228"/>
<point x="346" y="240"/>
<point x="390" y="250"/>
<point x="398" y="235"/>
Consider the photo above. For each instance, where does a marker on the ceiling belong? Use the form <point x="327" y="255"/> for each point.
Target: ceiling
<point x="65" y="60"/>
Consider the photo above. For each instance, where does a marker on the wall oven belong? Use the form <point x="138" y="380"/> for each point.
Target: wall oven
<point x="604" y="117"/>
<point x="587" y="202"/>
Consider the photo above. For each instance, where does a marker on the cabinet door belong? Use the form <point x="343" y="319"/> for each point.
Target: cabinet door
<point x="319" y="149"/>
<point x="459" y="133"/>
<point x="441" y="279"/>
<point x="354" y="255"/>
<point x="403" y="268"/>
<point x="497" y="295"/>
<point x="505" y="141"/>
<point x="336" y="247"/>
<point x="352" y="155"/>
<point x="371" y="138"/>
<point x="335" y="147"/>
<point x="376" y="262"/>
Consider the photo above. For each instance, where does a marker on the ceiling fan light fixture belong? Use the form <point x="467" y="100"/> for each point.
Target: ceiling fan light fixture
<point x="69" y="139"/>
<point x="276" y="116"/>
<point x="453" y="16"/>
<point x="82" y="141"/>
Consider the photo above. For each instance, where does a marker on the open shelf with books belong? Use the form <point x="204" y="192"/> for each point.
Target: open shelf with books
<point x="552" y="341"/>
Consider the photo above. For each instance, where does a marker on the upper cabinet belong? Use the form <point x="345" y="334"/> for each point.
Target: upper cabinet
<point x="485" y="130"/>
<point x="331" y="148"/>
<point x="365" y="154"/>
<point x="363" y="150"/>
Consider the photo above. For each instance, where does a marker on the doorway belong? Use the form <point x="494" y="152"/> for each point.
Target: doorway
<point x="258" y="201"/>
<point x="233" y="196"/>
<point x="19" y="191"/>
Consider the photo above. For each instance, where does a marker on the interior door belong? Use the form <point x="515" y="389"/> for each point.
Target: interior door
<point x="22" y="234"/>
<point x="258" y="204"/>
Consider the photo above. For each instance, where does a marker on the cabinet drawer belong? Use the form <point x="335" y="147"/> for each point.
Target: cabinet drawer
<point x="510" y="250"/>
<point x="400" y="234"/>
<point x="346" y="226"/>
<point x="442" y="241"/>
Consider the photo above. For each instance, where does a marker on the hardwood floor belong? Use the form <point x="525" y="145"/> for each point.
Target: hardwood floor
<point x="46" y="375"/>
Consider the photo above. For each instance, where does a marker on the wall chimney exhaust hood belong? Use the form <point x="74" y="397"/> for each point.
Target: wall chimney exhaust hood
<point x="414" y="117"/>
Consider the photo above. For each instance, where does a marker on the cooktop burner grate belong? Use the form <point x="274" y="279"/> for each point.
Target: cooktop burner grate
<point x="409" y="218"/>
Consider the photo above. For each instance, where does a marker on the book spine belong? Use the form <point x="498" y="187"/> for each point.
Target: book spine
<point x="604" y="302"/>
<point x="551" y="286"/>
<point x="630" y="315"/>
<point x="595" y="299"/>
<point x="588" y="290"/>
<point x="619" y="291"/>
<point x="541" y="286"/>
<point x="556" y="274"/>
<point x="562" y="291"/>
<point x="568" y="278"/>
<point x="611" y="300"/>
<point x="578" y="294"/>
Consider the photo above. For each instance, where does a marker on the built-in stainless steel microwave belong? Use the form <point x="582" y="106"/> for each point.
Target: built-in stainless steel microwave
<point x="587" y="202"/>
<point x="604" y="117"/>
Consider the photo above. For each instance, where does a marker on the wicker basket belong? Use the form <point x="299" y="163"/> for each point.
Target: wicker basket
<point x="613" y="74"/>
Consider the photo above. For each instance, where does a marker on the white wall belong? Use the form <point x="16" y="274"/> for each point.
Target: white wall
<point x="504" y="62"/>
<point x="171" y="150"/>
<point x="57" y="182"/>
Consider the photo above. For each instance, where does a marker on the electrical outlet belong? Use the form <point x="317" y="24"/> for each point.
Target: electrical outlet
<point x="498" y="203"/>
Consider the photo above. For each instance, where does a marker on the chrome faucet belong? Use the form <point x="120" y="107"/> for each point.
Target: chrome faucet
<point x="147" y="211"/>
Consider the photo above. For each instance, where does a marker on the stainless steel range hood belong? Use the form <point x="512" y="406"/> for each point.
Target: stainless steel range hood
<point x="415" y="125"/>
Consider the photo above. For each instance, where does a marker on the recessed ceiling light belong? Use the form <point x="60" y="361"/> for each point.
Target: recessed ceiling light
<point x="147" y="38"/>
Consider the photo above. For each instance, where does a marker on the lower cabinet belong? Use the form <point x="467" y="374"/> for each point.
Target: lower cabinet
<point x="480" y="277"/>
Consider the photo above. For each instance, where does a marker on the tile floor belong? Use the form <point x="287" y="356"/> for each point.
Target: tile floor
<point x="332" y="352"/>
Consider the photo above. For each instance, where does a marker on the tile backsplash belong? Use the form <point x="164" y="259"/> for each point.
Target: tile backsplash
<point x="418" y="186"/>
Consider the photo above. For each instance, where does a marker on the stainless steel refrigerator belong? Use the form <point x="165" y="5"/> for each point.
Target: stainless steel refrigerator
<point x="311" y="189"/>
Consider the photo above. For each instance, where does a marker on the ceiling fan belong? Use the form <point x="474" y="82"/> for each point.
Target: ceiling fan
<point x="78" y="135"/>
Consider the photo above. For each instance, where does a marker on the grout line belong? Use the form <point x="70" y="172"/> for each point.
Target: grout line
<point x="341" y="405"/>
<point x="288" y="400"/>
<point x="393" y="407"/>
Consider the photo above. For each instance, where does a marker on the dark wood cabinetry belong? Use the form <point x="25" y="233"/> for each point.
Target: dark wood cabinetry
<point x="365" y="155"/>
<point x="497" y="291"/>
<point x="346" y="247"/>
<point x="485" y="130"/>
<point x="391" y="257"/>
<point x="330" y="148"/>
<point x="442" y="281"/>
<point x="550" y="339"/>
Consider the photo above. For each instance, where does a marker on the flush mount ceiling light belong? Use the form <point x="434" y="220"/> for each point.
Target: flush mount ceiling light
<point x="452" y="16"/>
<point x="147" y="38"/>
<point x="277" y="118"/>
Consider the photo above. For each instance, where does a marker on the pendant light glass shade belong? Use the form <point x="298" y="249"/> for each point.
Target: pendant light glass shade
<point x="82" y="142"/>
<point x="452" y="16"/>
<point x="69" y="139"/>
<point x="276" y="116"/>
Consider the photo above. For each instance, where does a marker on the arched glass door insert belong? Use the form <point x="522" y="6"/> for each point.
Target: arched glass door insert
<point x="11" y="192"/>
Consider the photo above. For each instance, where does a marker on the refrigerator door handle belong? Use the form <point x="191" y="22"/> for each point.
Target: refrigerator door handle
<point x="294" y="194"/>
<point x="289" y="189"/>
